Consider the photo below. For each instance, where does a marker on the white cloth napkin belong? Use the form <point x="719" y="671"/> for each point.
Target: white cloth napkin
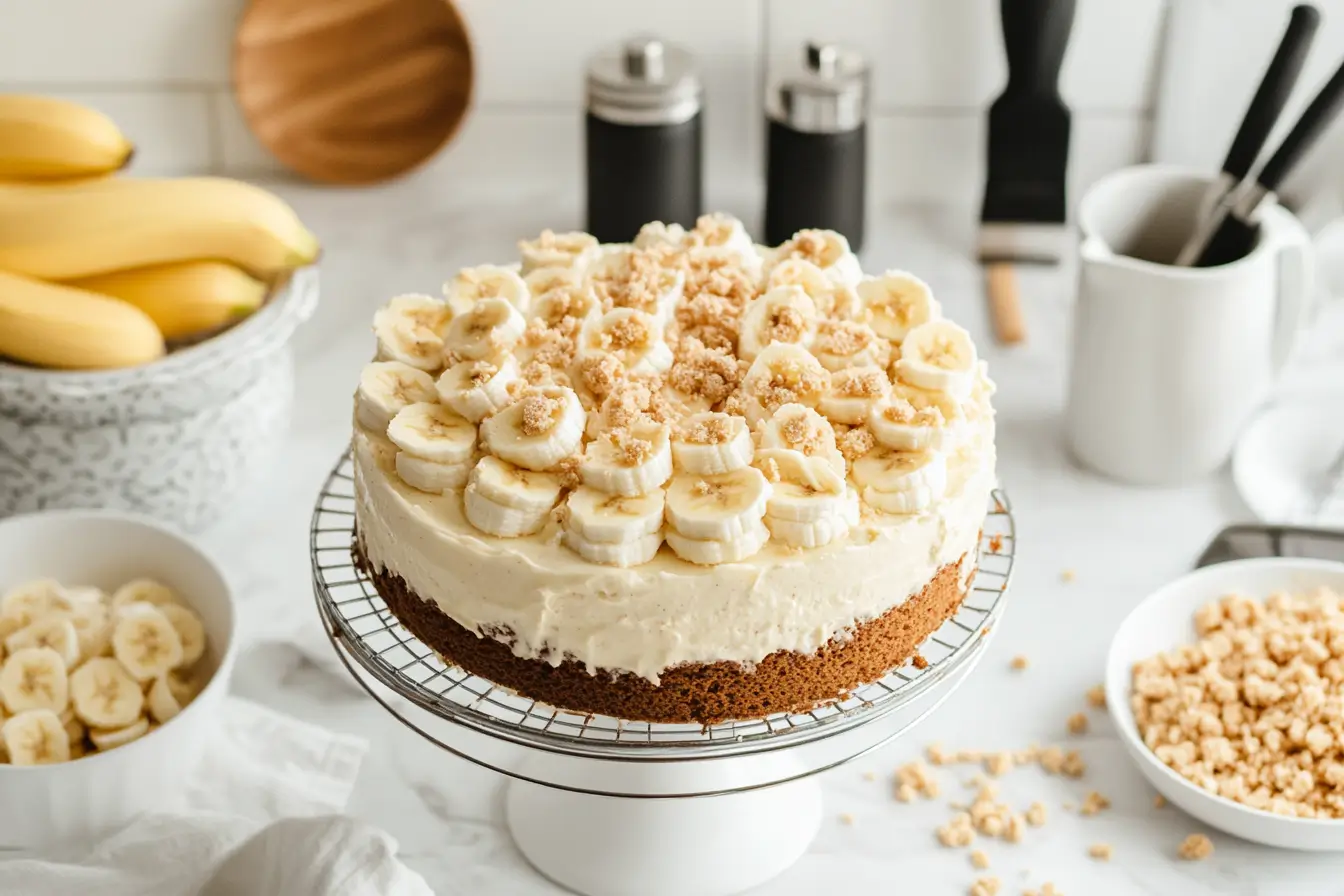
<point x="259" y="822"/>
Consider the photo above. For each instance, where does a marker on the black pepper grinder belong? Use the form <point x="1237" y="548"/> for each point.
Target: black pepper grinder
<point x="643" y="139"/>
<point x="816" y="152"/>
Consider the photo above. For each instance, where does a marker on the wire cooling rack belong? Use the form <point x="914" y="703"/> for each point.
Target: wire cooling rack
<point x="360" y="622"/>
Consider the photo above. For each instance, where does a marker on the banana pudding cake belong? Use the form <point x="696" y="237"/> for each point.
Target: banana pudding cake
<point x="685" y="479"/>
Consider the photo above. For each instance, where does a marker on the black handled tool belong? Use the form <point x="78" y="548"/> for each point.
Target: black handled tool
<point x="1235" y="233"/>
<point x="1265" y="108"/>
<point x="1022" y="219"/>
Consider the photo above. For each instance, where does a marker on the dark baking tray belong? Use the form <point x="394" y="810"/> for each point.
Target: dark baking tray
<point x="1245" y="541"/>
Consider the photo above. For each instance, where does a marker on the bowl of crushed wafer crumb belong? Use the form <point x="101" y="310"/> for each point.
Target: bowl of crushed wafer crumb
<point x="116" y="644"/>
<point x="1227" y="688"/>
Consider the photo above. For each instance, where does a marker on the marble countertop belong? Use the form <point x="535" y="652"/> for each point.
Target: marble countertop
<point x="1116" y="544"/>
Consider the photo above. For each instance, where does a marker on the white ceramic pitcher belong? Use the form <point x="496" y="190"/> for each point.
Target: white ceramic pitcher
<point x="1169" y="363"/>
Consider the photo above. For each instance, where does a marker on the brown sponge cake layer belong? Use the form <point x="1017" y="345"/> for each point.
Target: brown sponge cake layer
<point x="705" y="693"/>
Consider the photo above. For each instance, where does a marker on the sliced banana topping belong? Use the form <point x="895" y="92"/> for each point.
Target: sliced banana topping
<point x="827" y="250"/>
<point x="29" y="601"/>
<point x="604" y="518"/>
<point x="109" y="739"/>
<point x="495" y="518"/>
<point x="811" y="279"/>
<point x="147" y="645"/>
<point x="385" y="387"/>
<point x="853" y="394"/>
<point x="706" y="444"/>
<point x="557" y="250"/>
<point x="161" y="701"/>
<point x="491" y="327"/>
<point x="633" y="337"/>
<point x="477" y="389"/>
<point x="896" y="303"/>
<point x="817" y="472"/>
<point x="56" y="631"/>
<point x="539" y="430"/>
<point x="474" y="285"/>
<point x="35" y="737"/>
<point x="657" y="235"/>
<point x="410" y="329"/>
<point x="841" y="514"/>
<point x="721" y="232"/>
<point x="34" y="678"/>
<point x="913" y="419"/>
<point x="722" y="506"/>
<point x="431" y="431"/>
<point x="780" y="375"/>
<point x="431" y="476"/>
<point x="803" y="504"/>
<point x="712" y="552"/>
<point x="623" y="554"/>
<point x="105" y="695"/>
<point x="799" y="428"/>
<point x="565" y="306"/>
<point x="511" y="486"/>
<point x="845" y="343"/>
<point x="901" y="481"/>
<point x="628" y="461"/>
<point x="785" y="314"/>
<point x="544" y="280"/>
<point x="939" y="356"/>
<point x="629" y="278"/>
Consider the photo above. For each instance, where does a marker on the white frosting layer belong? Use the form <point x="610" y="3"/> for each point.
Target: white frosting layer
<point x="667" y="612"/>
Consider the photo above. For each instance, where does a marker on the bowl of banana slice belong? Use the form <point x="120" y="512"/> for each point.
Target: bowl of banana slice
<point x="116" y="646"/>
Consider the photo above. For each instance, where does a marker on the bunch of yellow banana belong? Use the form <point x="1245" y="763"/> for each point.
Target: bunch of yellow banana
<point x="99" y="271"/>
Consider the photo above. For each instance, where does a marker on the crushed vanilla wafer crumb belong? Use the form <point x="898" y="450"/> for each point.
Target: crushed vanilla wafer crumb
<point x="985" y="886"/>
<point x="979" y="860"/>
<point x="1077" y="724"/>
<point x="846" y="818"/>
<point x="1195" y="848"/>
<point x="1096" y="696"/>
<point x="1067" y="575"/>
<point x="1036" y="814"/>
<point x="1094" y="803"/>
<point x="1159" y="801"/>
<point x="1100" y="851"/>
<point x="1019" y="663"/>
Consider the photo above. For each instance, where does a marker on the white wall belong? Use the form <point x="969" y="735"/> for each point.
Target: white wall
<point x="161" y="68"/>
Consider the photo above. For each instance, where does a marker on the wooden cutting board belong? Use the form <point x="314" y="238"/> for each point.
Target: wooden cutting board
<point x="352" y="91"/>
<point x="1214" y="56"/>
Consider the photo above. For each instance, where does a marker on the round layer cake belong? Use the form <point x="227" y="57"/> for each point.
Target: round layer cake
<point x="686" y="479"/>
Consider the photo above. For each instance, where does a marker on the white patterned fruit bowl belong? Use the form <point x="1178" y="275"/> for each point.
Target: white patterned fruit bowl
<point x="82" y="799"/>
<point x="177" y="439"/>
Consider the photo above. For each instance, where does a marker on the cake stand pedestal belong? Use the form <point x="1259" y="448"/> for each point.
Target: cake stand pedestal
<point x="608" y="807"/>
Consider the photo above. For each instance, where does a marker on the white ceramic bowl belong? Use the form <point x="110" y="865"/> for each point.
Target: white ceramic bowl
<point x="178" y="440"/>
<point x="1165" y="620"/>
<point x="78" y="800"/>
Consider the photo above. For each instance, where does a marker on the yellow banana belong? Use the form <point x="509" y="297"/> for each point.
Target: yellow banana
<point x="67" y="231"/>
<point x="42" y="138"/>
<point x="185" y="298"/>
<point x="51" y="325"/>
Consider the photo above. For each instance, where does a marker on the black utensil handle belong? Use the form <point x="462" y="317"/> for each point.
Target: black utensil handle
<point x="1313" y="123"/>
<point x="1233" y="239"/>
<point x="1275" y="88"/>
<point x="1035" y="35"/>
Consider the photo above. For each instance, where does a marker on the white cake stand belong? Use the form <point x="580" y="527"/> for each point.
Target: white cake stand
<point x="608" y="807"/>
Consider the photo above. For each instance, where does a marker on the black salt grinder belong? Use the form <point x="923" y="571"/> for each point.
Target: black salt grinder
<point x="643" y="139"/>
<point x="816" y="151"/>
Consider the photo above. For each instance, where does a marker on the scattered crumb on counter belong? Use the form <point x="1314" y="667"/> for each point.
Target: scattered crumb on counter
<point x="979" y="860"/>
<point x="1094" y="803"/>
<point x="905" y="793"/>
<point x="846" y="818"/>
<point x="1096" y="696"/>
<point x="1047" y="889"/>
<point x="1074" y="767"/>
<point x="957" y="832"/>
<point x="869" y="776"/>
<point x="1100" y="851"/>
<point x="1195" y="848"/>
<point x="1019" y="663"/>
<point x="915" y="778"/>
<point x="1067" y="575"/>
<point x="1036" y="814"/>
<point x="1159" y="801"/>
<point x="919" y="661"/>
<point x="985" y="886"/>
<point x="1077" y="724"/>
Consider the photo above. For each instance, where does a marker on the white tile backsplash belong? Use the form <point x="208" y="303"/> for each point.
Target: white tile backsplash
<point x="161" y="68"/>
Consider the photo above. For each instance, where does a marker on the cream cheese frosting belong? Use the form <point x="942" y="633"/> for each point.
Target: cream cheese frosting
<point x="666" y="612"/>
